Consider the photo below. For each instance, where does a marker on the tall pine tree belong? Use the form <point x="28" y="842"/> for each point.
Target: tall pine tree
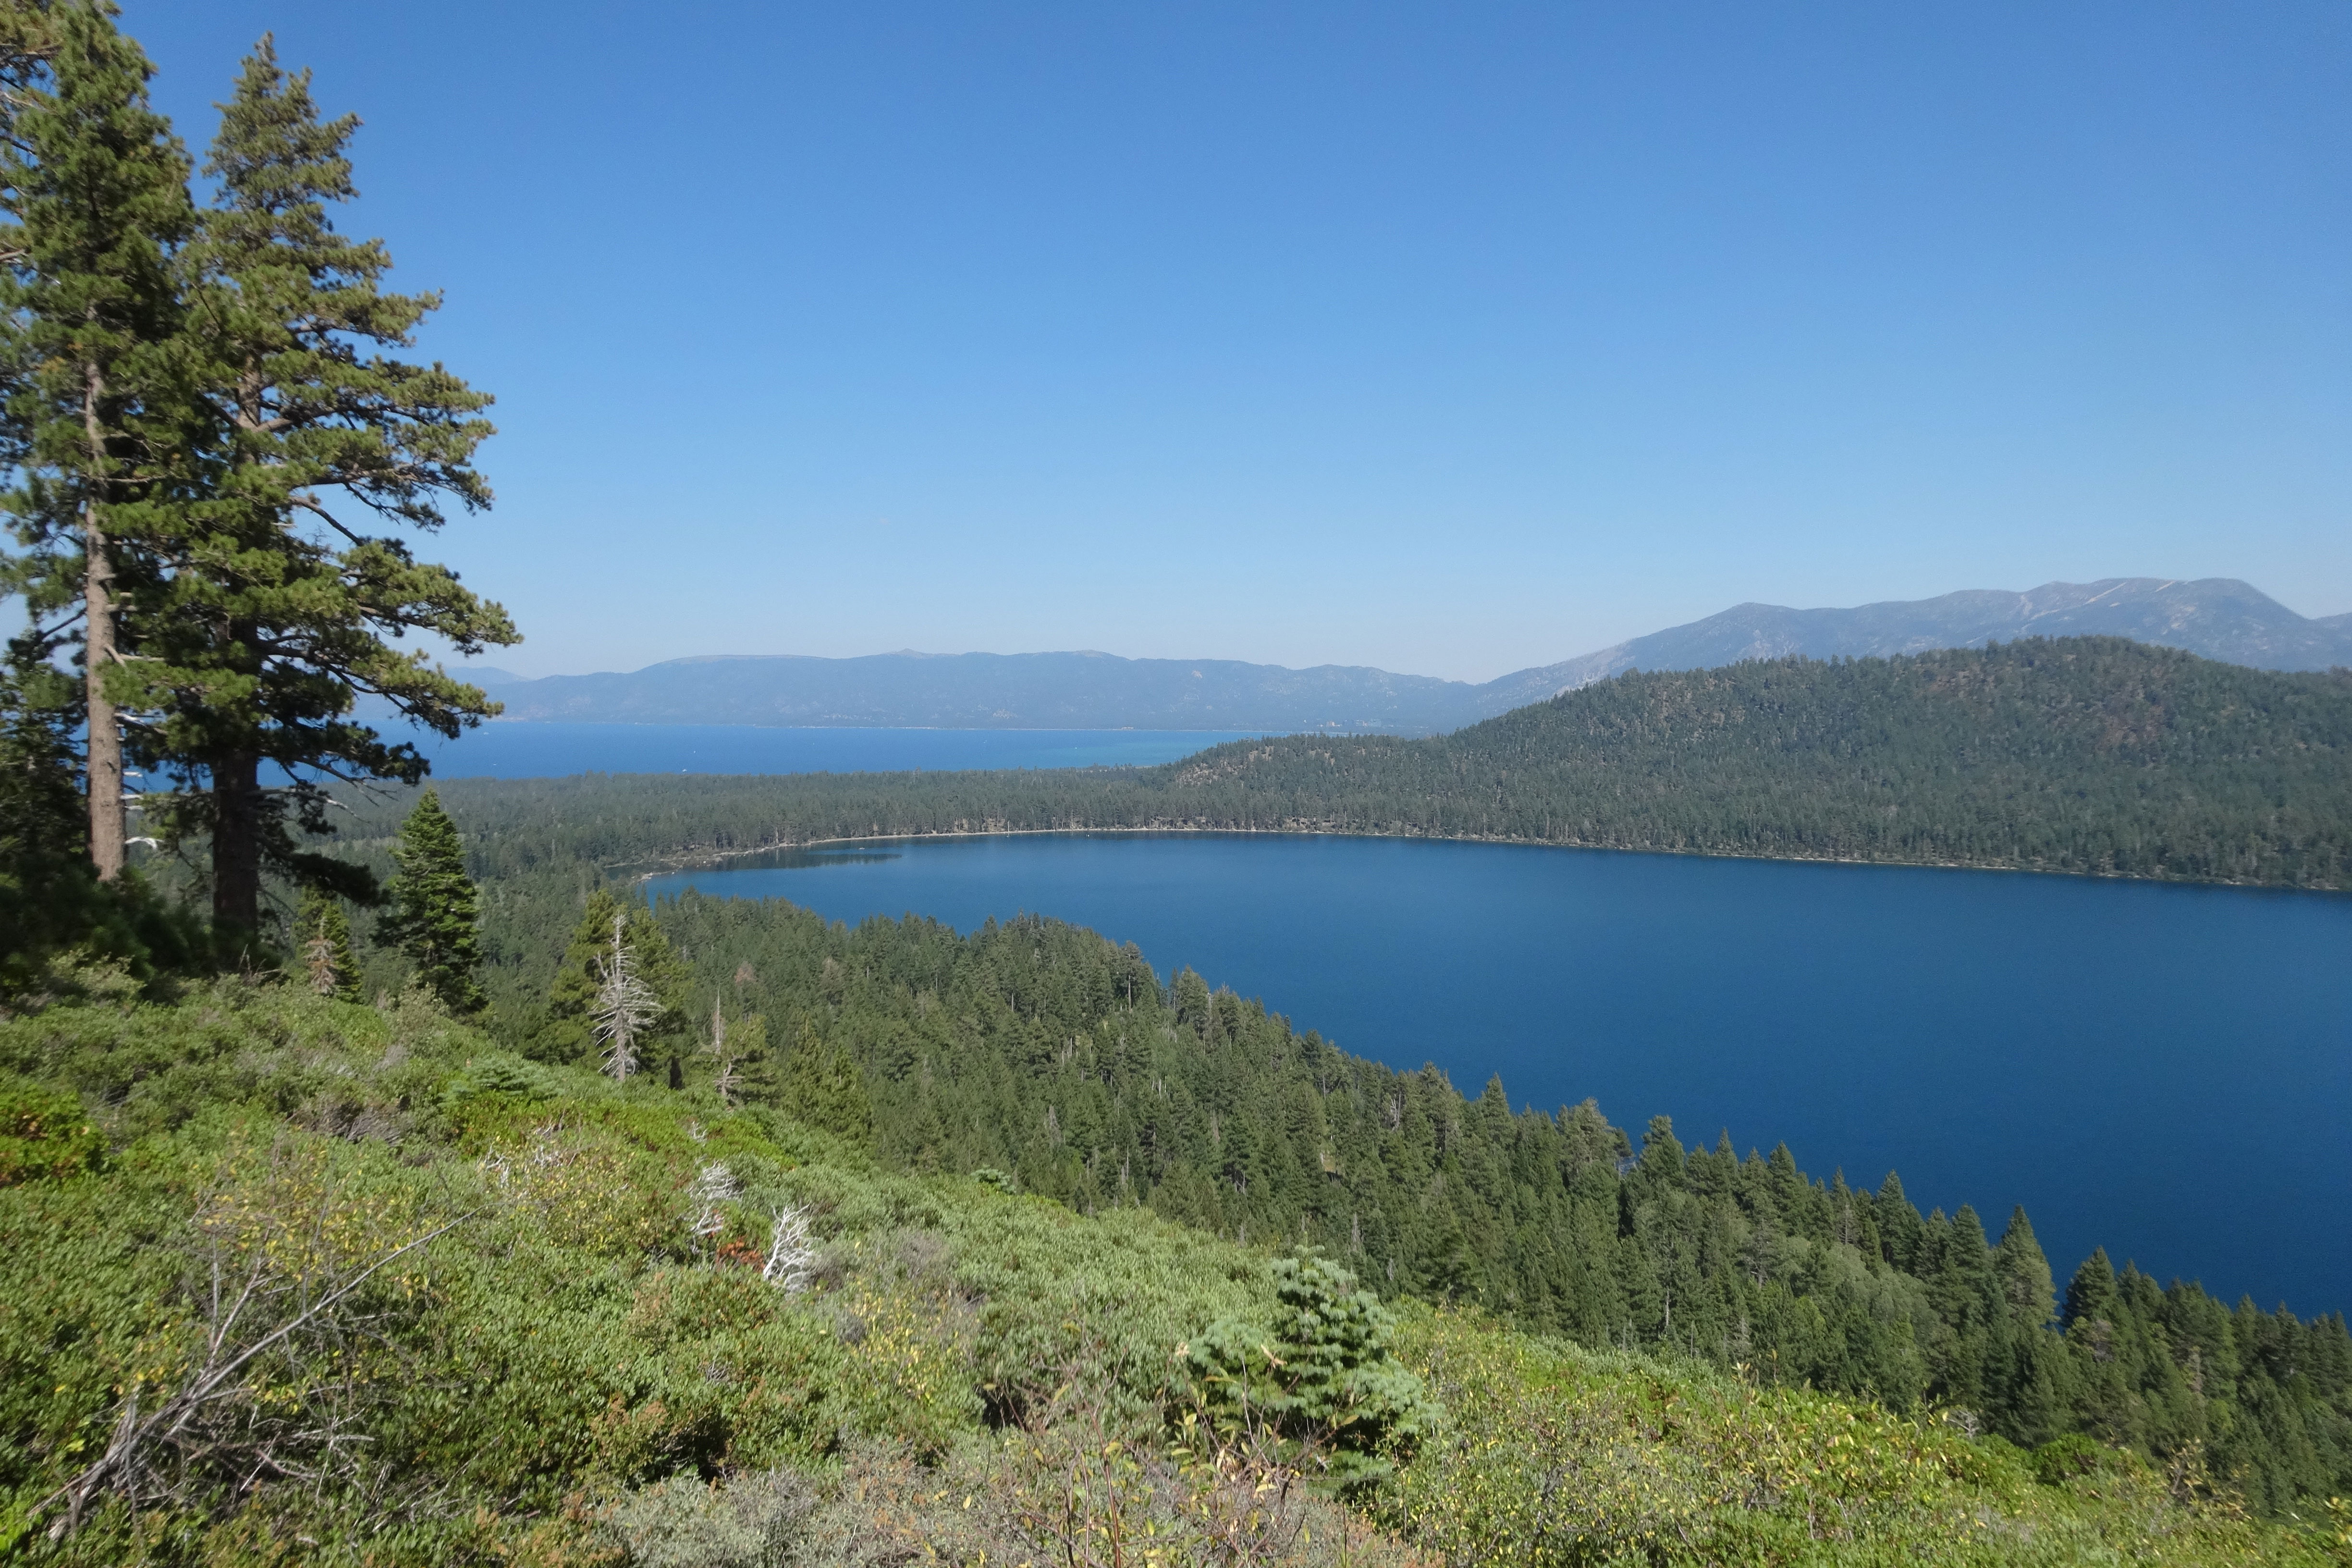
<point x="289" y="608"/>
<point x="436" y="915"/>
<point x="102" y="430"/>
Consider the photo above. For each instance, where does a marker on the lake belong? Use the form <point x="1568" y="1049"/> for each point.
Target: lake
<point x="2163" y="1070"/>
<point x="522" y="751"/>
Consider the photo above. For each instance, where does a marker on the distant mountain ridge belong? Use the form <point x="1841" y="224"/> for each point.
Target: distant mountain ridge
<point x="998" y="690"/>
<point x="2215" y="617"/>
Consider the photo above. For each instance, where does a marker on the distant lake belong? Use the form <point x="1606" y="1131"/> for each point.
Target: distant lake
<point x="521" y="750"/>
<point x="2165" y="1071"/>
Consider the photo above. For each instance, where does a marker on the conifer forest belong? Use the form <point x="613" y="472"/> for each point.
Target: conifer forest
<point x="384" y="1180"/>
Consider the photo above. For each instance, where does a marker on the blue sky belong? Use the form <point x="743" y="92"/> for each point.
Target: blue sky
<point x="1452" y="339"/>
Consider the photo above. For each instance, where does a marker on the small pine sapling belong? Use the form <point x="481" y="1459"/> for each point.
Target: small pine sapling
<point x="323" y="941"/>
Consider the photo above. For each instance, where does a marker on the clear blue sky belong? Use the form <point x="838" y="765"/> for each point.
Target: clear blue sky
<point x="1450" y="339"/>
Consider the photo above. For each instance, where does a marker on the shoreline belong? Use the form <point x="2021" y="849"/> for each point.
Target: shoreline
<point x="716" y="859"/>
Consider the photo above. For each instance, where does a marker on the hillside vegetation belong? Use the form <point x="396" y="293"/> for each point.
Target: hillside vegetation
<point x="288" y="1280"/>
<point x="2092" y="755"/>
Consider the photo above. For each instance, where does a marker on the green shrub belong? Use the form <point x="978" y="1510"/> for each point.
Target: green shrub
<point x="501" y="1073"/>
<point x="683" y="1522"/>
<point x="2067" y="1459"/>
<point x="44" y="1132"/>
<point x="1316" y="1371"/>
<point x="572" y="1377"/>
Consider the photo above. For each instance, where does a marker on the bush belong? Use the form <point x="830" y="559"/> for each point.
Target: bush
<point x="1316" y="1373"/>
<point x="683" y="1522"/>
<point x="2067" y="1459"/>
<point x="44" y="1132"/>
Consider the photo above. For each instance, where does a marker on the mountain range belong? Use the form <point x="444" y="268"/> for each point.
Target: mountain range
<point x="2216" y="617"/>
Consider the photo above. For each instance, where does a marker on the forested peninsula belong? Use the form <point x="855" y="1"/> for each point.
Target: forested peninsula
<point x="2092" y="755"/>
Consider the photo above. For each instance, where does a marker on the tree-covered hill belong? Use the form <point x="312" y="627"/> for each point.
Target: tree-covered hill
<point x="2092" y="755"/>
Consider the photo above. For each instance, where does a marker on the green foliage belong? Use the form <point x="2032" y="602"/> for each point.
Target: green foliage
<point x="2068" y="1458"/>
<point x="435" y="916"/>
<point x="1552" y="1455"/>
<point x="501" y="1073"/>
<point x="100" y="420"/>
<point x="283" y="609"/>
<point x="60" y="928"/>
<point x="562" y="1031"/>
<point x="44" y="1132"/>
<point x="823" y="1087"/>
<point x="1320" y="1374"/>
<point x="569" y="1373"/>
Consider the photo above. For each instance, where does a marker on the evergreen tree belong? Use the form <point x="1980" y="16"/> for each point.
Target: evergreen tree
<point x="285" y="610"/>
<point x="2025" y="1280"/>
<point x="43" y="861"/>
<point x="52" y="904"/>
<point x="564" y="1030"/>
<point x="1320" y="1379"/>
<point x="322" y="945"/>
<point x="435" y="916"/>
<point x="823" y="1087"/>
<point x="101" y="428"/>
<point x="738" y="1052"/>
<point x="2033" y="1382"/>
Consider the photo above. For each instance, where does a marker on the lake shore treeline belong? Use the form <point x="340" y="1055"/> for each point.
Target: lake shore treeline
<point x="2092" y="756"/>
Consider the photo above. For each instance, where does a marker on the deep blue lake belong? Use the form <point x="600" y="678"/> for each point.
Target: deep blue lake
<point x="2166" y="1071"/>
<point x="524" y="751"/>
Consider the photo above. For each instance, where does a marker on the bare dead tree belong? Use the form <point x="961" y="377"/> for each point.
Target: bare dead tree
<point x="713" y="1187"/>
<point x="275" y="1390"/>
<point x="728" y="1078"/>
<point x="624" y="1008"/>
<point x="792" y="1252"/>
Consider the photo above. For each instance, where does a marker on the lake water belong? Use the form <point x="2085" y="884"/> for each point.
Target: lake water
<point x="2166" y="1070"/>
<point x="519" y="751"/>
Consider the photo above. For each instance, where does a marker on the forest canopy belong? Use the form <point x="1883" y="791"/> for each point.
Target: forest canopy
<point x="2093" y="755"/>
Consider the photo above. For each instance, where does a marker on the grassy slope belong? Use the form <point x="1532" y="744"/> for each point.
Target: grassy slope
<point x="560" y="1378"/>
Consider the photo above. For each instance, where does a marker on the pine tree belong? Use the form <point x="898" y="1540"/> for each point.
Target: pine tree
<point x="102" y="429"/>
<point x="565" y="1029"/>
<point x="823" y="1087"/>
<point x="436" y="915"/>
<point x="323" y="944"/>
<point x="287" y="610"/>
<point x="738" y="1049"/>
<point x="2024" y="1273"/>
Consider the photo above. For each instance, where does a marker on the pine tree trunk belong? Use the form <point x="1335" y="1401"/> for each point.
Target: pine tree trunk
<point x="106" y="829"/>
<point x="237" y="844"/>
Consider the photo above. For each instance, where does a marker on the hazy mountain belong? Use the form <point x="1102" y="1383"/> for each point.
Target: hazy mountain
<point x="991" y="690"/>
<point x="2217" y="617"/>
